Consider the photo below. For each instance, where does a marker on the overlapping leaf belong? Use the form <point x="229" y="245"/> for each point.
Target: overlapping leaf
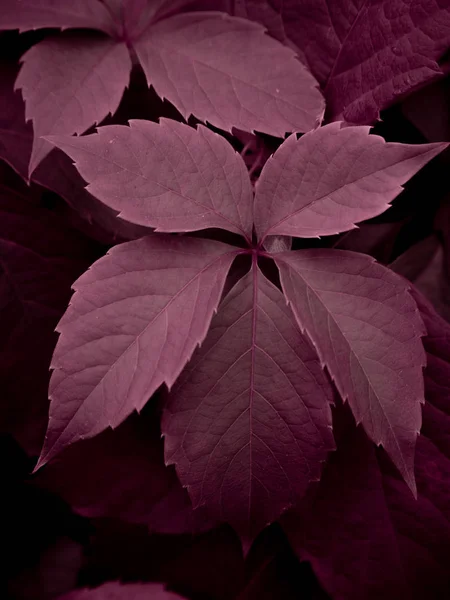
<point x="34" y="14"/>
<point x="365" y="53"/>
<point x="67" y="85"/>
<point x="133" y="323"/>
<point x="226" y="71"/>
<point x="331" y="178"/>
<point x="248" y="423"/>
<point x="168" y="175"/>
<point x="367" y="331"/>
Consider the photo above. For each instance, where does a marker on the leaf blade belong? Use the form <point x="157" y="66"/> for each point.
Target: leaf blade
<point x="367" y="331"/>
<point x="331" y="178"/>
<point x="67" y="88"/>
<point x="168" y="176"/>
<point x="242" y="471"/>
<point x="147" y="301"/>
<point x="243" y="78"/>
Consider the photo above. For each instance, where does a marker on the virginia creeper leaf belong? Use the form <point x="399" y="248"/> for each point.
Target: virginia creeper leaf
<point x="365" y="53"/>
<point x="133" y="323"/>
<point x="67" y="85"/>
<point x="115" y="590"/>
<point x="227" y="71"/>
<point x="331" y="178"/>
<point x="121" y="474"/>
<point x="367" y="329"/>
<point x="168" y="175"/>
<point x="366" y="536"/>
<point x="35" y="14"/>
<point x="248" y="424"/>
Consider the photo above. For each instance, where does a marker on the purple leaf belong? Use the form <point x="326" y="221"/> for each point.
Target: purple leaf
<point x="366" y="536"/>
<point x="35" y="14"/>
<point x="133" y="323"/>
<point x="331" y="178"/>
<point x="121" y="474"/>
<point x="365" y="53"/>
<point x="228" y="72"/>
<point x="67" y="85"/>
<point x="115" y="590"/>
<point x="168" y="175"/>
<point x="56" y="172"/>
<point x="367" y="331"/>
<point x="248" y="424"/>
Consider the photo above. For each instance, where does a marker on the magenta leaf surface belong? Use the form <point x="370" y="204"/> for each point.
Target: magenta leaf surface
<point x="367" y="331"/>
<point x="365" y="53"/>
<point x="121" y="474"/>
<point x="168" y="175"/>
<point x="248" y="424"/>
<point x="366" y="536"/>
<point x="133" y="323"/>
<point x="331" y="178"/>
<point x="35" y="14"/>
<point x="115" y="590"/>
<point x="227" y="71"/>
<point x="67" y="85"/>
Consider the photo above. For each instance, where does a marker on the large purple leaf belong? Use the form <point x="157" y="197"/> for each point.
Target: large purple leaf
<point x="35" y="14"/>
<point x="167" y="175"/>
<point x="115" y="590"/>
<point x="365" y="53"/>
<point x="228" y="72"/>
<point x="367" y="331"/>
<point x="133" y="323"/>
<point x="39" y="260"/>
<point x="331" y="178"/>
<point x="248" y="424"/>
<point x="67" y="85"/>
<point x="366" y="536"/>
<point x="121" y="474"/>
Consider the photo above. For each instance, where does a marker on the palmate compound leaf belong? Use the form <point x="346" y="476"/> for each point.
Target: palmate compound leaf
<point x="133" y="323"/>
<point x="367" y="331"/>
<point x="165" y="175"/>
<point x="228" y="72"/>
<point x="331" y="178"/>
<point x="35" y="14"/>
<point x="67" y="85"/>
<point x="248" y="424"/>
<point x="116" y="590"/>
<point x="366" y="54"/>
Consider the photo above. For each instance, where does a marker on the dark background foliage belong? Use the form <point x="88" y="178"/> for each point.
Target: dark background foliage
<point x="47" y="548"/>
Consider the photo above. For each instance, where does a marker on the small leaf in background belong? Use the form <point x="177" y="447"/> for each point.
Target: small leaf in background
<point x="367" y="331"/>
<point x="228" y="72"/>
<point x="167" y="175"/>
<point x="135" y="318"/>
<point x="248" y="424"/>
<point x="331" y="178"/>
<point x="67" y="87"/>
